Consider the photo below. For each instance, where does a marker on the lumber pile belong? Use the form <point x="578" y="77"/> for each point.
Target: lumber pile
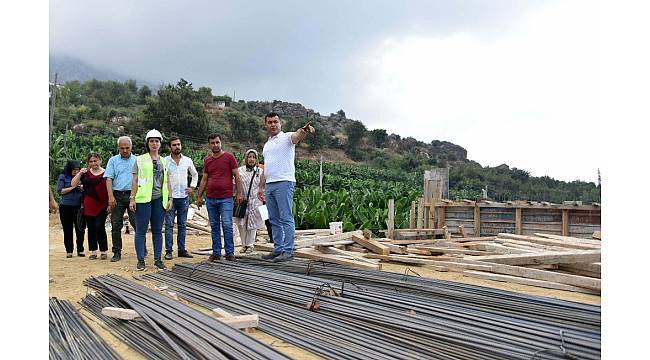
<point x="542" y="260"/>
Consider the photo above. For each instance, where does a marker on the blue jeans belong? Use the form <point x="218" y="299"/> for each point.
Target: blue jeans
<point x="220" y="214"/>
<point x="179" y="208"/>
<point x="279" y="199"/>
<point x="144" y="212"/>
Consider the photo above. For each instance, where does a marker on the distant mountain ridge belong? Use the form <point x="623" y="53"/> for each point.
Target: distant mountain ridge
<point x="69" y="68"/>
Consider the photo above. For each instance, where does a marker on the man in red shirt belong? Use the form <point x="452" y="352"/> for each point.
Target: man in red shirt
<point x="219" y="170"/>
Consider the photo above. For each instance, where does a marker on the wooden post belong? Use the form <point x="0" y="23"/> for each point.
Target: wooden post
<point x="441" y="217"/>
<point x="565" y="222"/>
<point x="412" y="216"/>
<point x="477" y="220"/>
<point x="461" y="230"/>
<point x="518" y="221"/>
<point x="391" y="218"/>
<point x="420" y="213"/>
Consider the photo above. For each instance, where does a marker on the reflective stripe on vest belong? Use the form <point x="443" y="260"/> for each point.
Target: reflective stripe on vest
<point x="145" y="180"/>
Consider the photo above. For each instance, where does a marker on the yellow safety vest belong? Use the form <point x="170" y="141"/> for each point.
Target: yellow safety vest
<point x="145" y="180"/>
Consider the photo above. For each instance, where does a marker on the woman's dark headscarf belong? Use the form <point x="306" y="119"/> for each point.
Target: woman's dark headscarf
<point x="71" y="165"/>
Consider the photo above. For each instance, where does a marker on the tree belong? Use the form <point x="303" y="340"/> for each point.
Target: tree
<point x="143" y="94"/>
<point x="341" y="113"/>
<point x="378" y="137"/>
<point x="205" y="95"/>
<point x="177" y="109"/>
<point x="355" y="131"/>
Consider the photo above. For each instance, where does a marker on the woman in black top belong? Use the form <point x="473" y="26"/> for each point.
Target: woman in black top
<point x="69" y="206"/>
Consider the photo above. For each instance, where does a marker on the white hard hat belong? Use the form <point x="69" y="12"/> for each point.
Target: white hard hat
<point x="153" y="133"/>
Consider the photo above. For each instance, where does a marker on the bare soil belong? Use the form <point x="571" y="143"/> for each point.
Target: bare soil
<point x="67" y="276"/>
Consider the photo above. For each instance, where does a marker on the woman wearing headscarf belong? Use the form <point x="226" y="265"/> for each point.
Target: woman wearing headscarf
<point x="69" y="206"/>
<point x="249" y="174"/>
<point x="95" y="204"/>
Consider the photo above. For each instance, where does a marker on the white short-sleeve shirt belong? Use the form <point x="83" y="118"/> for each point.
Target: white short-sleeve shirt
<point x="279" y="155"/>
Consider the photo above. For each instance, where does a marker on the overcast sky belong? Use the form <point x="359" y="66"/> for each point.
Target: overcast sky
<point x="512" y="82"/>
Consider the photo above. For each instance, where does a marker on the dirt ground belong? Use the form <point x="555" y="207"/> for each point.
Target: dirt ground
<point x="67" y="276"/>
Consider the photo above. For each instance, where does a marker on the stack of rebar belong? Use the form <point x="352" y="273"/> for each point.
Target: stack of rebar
<point x="170" y="329"/>
<point x="399" y="317"/>
<point x="70" y="336"/>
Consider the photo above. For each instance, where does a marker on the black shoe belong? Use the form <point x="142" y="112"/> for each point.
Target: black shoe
<point x="184" y="254"/>
<point x="68" y="255"/>
<point x="214" y="258"/>
<point x="270" y="256"/>
<point x="140" y="266"/>
<point x="103" y="256"/>
<point x="92" y="257"/>
<point x="284" y="257"/>
<point x="230" y="257"/>
<point x="116" y="257"/>
<point x="81" y="254"/>
<point x="159" y="264"/>
<point x="168" y="255"/>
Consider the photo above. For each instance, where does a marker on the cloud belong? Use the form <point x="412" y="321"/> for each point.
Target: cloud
<point x="527" y="97"/>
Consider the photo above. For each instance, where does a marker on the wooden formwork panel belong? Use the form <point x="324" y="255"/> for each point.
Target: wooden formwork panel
<point x="496" y="220"/>
<point x="583" y="231"/>
<point x="541" y="216"/>
<point x="586" y="217"/>
<point x="457" y="216"/>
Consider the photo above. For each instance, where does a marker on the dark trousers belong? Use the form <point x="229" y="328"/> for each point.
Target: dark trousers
<point x="68" y="216"/>
<point x="97" y="231"/>
<point x="117" y="219"/>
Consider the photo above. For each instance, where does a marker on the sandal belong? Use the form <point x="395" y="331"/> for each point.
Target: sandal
<point x="92" y="257"/>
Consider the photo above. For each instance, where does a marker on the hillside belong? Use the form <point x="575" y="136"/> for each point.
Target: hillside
<point x="112" y="108"/>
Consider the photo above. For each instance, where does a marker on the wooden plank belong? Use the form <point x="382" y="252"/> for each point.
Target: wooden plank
<point x="545" y="258"/>
<point x="391" y="218"/>
<point x="461" y="230"/>
<point x="444" y="250"/>
<point x="396" y="249"/>
<point x="372" y="245"/>
<point x="477" y="220"/>
<point x="337" y="243"/>
<point x="410" y="242"/>
<point x="565" y="222"/>
<point x="355" y="249"/>
<point x="120" y="313"/>
<point x="545" y="241"/>
<point x="575" y="280"/>
<point x="596" y="235"/>
<point x="420" y="223"/>
<point x="593" y="268"/>
<point x="315" y="255"/>
<point x="412" y="215"/>
<point x="518" y="221"/>
<point x="525" y="281"/>
<point x="326" y="239"/>
<point x="237" y="321"/>
<point x="407" y="259"/>
<point x="441" y="217"/>
<point x="344" y="254"/>
<point x="497" y="248"/>
<point x="570" y="239"/>
<point x="474" y="238"/>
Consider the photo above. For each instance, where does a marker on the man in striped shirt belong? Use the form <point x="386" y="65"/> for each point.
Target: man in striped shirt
<point x="278" y="183"/>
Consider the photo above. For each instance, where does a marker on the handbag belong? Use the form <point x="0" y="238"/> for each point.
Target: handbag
<point x="81" y="219"/>
<point x="239" y="211"/>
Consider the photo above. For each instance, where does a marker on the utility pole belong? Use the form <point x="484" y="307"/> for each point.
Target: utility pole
<point x="53" y="105"/>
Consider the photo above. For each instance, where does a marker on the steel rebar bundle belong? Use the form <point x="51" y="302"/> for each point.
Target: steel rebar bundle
<point x="170" y="330"/>
<point x="391" y="321"/>
<point x="71" y="337"/>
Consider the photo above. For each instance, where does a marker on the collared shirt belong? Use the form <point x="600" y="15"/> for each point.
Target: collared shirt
<point x="279" y="155"/>
<point x="119" y="170"/>
<point x="178" y="175"/>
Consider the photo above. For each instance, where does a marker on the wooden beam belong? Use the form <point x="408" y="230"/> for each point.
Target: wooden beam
<point x="477" y="220"/>
<point x="546" y="258"/>
<point x="391" y="218"/>
<point x="565" y="222"/>
<point x="545" y="241"/>
<point x="412" y="215"/>
<point x="315" y="255"/>
<point x="420" y="222"/>
<point x="344" y="254"/>
<point x="441" y="217"/>
<point x="120" y="313"/>
<point x="575" y="280"/>
<point x="518" y="221"/>
<point x="305" y="243"/>
<point x="372" y="245"/>
<point x="525" y="281"/>
<point x="570" y="239"/>
<point x="237" y="321"/>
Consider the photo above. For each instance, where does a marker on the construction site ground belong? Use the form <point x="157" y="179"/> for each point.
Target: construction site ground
<point x="66" y="278"/>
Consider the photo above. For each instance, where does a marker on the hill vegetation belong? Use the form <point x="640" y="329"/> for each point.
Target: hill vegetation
<point x="90" y="116"/>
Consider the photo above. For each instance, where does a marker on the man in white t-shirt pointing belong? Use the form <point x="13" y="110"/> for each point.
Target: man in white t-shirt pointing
<point x="278" y="183"/>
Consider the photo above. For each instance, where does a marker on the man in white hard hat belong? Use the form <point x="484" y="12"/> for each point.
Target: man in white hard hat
<point x="150" y="198"/>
